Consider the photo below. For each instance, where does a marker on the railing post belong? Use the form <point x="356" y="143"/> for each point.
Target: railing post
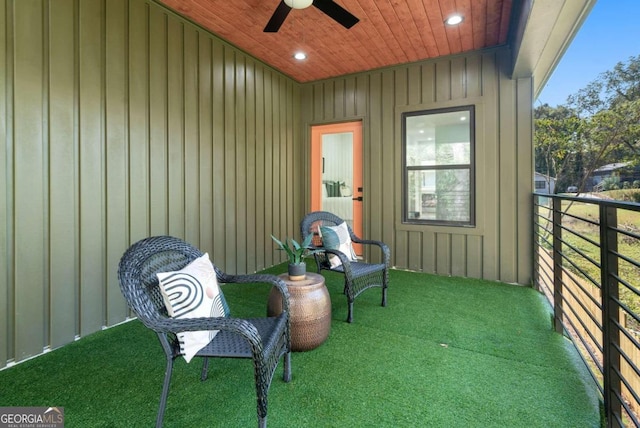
<point x="536" y="243"/>
<point x="557" y="265"/>
<point x="610" y="315"/>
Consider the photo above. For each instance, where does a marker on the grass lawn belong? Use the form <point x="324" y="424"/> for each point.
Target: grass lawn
<point x="628" y="246"/>
<point x="445" y="352"/>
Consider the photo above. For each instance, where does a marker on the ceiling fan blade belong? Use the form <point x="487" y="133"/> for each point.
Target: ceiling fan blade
<point x="337" y="12"/>
<point x="277" y="18"/>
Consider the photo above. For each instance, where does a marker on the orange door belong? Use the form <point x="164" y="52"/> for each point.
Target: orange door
<point x="336" y="172"/>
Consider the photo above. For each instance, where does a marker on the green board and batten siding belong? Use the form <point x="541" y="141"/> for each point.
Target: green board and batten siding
<point x="499" y="246"/>
<point x="119" y="120"/>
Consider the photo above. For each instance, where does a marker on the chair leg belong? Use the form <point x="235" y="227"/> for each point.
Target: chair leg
<point x="263" y="381"/>
<point x="385" y="286"/>
<point x="350" y="314"/>
<point x="286" y="376"/>
<point x="165" y="392"/>
<point x="205" y="369"/>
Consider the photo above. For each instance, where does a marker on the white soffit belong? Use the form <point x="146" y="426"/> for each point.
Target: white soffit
<point x="544" y="32"/>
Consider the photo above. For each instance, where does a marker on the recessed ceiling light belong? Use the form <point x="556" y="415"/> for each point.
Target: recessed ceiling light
<point x="300" y="56"/>
<point x="454" y="20"/>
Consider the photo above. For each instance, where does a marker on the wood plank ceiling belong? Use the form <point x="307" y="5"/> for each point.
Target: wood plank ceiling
<point x="390" y="32"/>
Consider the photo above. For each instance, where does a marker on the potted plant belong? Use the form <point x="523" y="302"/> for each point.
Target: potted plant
<point x="295" y="253"/>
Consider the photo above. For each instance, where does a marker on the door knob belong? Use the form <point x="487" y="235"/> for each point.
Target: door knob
<point x="359" y="198"/>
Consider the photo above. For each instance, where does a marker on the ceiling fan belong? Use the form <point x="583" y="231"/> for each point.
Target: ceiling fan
<point x="329" y="7"/>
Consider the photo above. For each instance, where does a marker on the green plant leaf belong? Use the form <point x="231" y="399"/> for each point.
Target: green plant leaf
<point x="295" y="252"/>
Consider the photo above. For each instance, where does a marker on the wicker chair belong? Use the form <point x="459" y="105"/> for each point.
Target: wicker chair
<point x="264" y="340"/>
<point x="358" y="276"/>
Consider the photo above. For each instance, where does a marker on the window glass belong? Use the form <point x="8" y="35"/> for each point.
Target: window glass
<point x="438" y="165"/>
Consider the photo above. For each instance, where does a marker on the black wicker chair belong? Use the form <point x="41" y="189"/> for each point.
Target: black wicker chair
<point x="264" y="340"/>
<point x="358" y="276"/>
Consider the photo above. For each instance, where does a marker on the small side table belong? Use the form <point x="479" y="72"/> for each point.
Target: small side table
<point x="310" y="310"/>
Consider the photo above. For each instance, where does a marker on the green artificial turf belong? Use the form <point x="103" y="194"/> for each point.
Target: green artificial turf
<point x="445" y="352"/>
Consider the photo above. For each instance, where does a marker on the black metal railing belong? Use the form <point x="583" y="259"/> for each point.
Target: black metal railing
<point x="587" y="263"/>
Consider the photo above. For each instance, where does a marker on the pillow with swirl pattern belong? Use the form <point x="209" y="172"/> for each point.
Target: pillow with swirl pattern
<point x="193" y="292"/>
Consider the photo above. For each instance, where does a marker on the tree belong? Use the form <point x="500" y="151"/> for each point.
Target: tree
<point x="557" y="143"/>
<point x="611" y="88"/>
<point x="600" y="124"/>
<point x="610" y="106"/>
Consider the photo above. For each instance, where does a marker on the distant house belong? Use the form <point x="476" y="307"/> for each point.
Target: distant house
<point x="621" y="169"/>
<point x="544" y="183"/>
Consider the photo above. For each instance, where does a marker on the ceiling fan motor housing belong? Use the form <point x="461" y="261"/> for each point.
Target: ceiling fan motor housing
<point x="328" y="7"/>
<point x="298" y="4"/>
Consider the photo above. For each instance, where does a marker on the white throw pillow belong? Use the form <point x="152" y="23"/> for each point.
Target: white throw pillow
<point x="342" y="231"/>
<point x="345" y="191"/>
<point x="193" y="292"/>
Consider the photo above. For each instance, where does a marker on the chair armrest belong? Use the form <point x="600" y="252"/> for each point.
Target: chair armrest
<point x="259" y="278"/>
<point x="346" y="262"/>
<point x="386" y="253"/>
<point x="235" y="325"/>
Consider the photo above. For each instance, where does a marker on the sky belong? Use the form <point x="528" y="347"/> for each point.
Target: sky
<point x="610" y="34"/>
